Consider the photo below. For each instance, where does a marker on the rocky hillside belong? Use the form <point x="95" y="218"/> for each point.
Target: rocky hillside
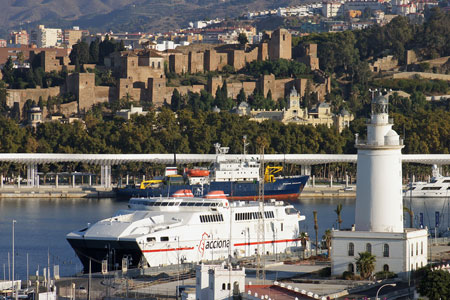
<point x="123" y="15"/>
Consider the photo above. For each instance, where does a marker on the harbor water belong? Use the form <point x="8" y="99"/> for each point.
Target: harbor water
<point x="42" y="224"/>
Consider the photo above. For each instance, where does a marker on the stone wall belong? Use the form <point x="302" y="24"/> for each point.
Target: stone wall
<point x="384" y="64"/>
<point x="196" y="62"/>
<point x="157" y="91"/>
<point x="126" y="87"/>
<point x="68" y="109"/>
<point x="411" y="57"/>
<point x="215" y="61"/>
<point x="183" y="90"/>
<point x="410" y="75"/>
<point x="21" y="96"/>
<point x="234" y="88"/>
<point x="178" y="63"/>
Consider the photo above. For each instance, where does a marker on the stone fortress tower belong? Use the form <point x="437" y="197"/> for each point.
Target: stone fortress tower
<point x="379" y="205"/>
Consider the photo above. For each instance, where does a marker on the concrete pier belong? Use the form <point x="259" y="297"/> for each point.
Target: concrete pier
<point x="56" y="192"/>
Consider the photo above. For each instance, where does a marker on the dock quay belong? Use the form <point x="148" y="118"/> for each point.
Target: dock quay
<point x="56" y="192"/>
<point x="66" y="191"/>
<point x="325" y="191"/>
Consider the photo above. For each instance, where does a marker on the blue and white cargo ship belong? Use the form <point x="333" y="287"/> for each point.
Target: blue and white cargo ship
<point x="238" y="176"/>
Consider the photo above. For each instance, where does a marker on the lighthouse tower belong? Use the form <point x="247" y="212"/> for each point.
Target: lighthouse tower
<point x="379" y="227"/>
<point x="379" y="202"/>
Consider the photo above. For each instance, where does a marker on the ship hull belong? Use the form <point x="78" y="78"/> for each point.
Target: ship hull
<point x="287" y="189"/>
<point x="110" y="250"/>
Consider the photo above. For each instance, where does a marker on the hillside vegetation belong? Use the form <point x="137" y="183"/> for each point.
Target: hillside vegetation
<point x="122" y="15"/>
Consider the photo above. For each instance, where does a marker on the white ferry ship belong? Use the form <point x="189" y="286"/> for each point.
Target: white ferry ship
<point x="170" y="230"/>
<point x="438" y="187"/>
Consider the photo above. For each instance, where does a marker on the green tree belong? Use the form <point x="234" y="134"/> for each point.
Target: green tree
<point x="242" y="38"/>
<point x="79" y="54"/>
<point x="94" y="49"/>
<point x="434" y="284"/>
<point x="316" y="229"/>
<point x="241" y="97"/>
<point x="327" y="238"/>
<point x="338" y="212"/>
<point x="304" y="238"/>
<point x="365" y="264"/>
<point x="176" y="101"/>
<point x="3" y="95"/>
<point x="8" y="71"/>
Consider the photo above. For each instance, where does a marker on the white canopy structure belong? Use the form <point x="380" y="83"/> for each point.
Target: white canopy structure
<point x="108" y="160"/>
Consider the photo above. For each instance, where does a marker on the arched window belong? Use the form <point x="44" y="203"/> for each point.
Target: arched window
<point x="351" y="268"/>
<point x="386" y="268"/>
<point x="421" y="247"/>
<point x="369" y="248"/>
<point x="223" y="286"/>
<point x="385" y="250"/>
<point x="417" y="248"/>
<point x="412" y="249"/>
<point x="351" y="249"/>
<point x="229" y="286"/>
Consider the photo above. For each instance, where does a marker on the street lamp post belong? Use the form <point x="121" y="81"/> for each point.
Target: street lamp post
<point x="12" y="282"/>
<point x="388" y="284"/>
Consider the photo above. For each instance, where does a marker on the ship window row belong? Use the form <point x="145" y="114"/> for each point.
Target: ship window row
<point x="211" y="218"/>
<point x="431" y="188"/>
<point x="147" y="203"/>
<point x="446" y="181"/>
<point x="253" y="215"/>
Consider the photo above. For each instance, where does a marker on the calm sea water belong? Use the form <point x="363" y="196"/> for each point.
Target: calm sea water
<point x="42" y="225"/>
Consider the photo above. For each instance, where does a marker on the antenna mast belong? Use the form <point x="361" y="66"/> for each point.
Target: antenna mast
<point x="260" y="270"/>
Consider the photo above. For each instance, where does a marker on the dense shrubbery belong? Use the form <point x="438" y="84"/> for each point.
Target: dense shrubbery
<point x="280" y="68"/>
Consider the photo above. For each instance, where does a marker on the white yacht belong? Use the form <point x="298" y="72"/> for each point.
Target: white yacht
<point x="438" y="187"/>
<point x="170" y="230"/>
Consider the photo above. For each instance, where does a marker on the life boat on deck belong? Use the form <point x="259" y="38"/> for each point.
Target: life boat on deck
<point x="183" y="193"/>
<point x="216" y="195"/>
<point x="198" y="173"/>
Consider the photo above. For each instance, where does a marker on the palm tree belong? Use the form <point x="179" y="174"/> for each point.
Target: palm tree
<point x="411" y="216"/>
<point x="327" y="238"/>
<point x="338" y="211"/>
<point x="365" y="264"/>
<point x="304" y="238"/>
<point x="316" y="228"/>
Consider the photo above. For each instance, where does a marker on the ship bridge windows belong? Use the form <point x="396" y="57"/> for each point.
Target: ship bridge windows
<point x="446" y="181"/>
<point x="291" y="211"/>
<point x="151" y="239"/>
<point x="211" y="218"/>
<point x="164" y="239"/>
<point x="165" y="204"/>
<point x="434" y="188"/>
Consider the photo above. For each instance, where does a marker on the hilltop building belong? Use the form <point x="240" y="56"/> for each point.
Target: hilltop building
<point x="73" y="36"/>
<point x="19" y="37"/>
<point x="379" y="205"/>
<point x="294" y="113"/>
<point x="47" y="37"/>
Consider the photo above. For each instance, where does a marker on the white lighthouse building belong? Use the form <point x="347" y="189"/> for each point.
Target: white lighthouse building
<point x="379" y="205"/>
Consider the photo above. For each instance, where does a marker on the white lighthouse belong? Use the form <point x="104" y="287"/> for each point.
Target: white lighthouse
<point x="379" y="205"/>
<point x="379" y="202"/>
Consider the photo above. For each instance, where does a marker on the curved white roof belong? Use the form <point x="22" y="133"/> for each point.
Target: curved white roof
<point x="116" y="159"/>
